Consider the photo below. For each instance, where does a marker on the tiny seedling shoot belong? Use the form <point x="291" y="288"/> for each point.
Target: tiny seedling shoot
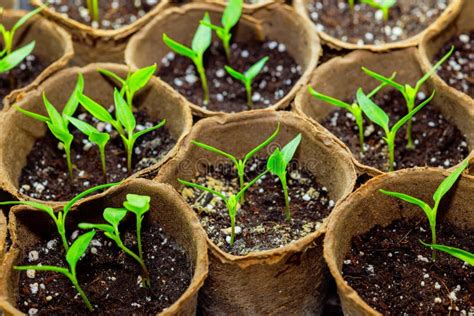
<point x="383" y="5"/>
<point x="138" y="205"/>
<point x="240" y="163"/>
<point x="379" y="117"/>
<point x="93" y="7"/>
<point x="231" y="202"/>
<point x="461" y="254"/>
<point x="230" y="18"/>
<point x="247" y="77"/>
<point x="409" y="92"/>
<point x="201" y="42"/>
<point x="277" y="164"/>
<point x="431" y="212"/>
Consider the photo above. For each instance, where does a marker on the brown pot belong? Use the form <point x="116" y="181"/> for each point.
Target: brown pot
<point x="167" y="207"/>
<point x="160" y="102"/>
<point x="286" y="280"/>
<point x="7" y="4"/>
<point x="3" y="236"/>
<point x="147" y="46"/>
<point x="367" y="207"/>
<point x="342" y="76"/>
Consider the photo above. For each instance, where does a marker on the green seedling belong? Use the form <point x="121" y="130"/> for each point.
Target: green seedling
<point x="10" y="61"/>
<point x="93" y="7"/>
<point x="460" y="254"/>
<point x="247" y="77"/>
<point x="229" y="19"/>
<point x="201" y="42"/>
<point x="124" y="123"/>
<point x="138" y="205"/>
<point x="240" y="163"/>
<point x="431" y="212"/>
<point x="277" y="164"/>
<point x="58" y="123"/>
<point x="231" y="202"/>
<point x="351" y="4"/>
<point x="383" y="5"/>
<point x="134" y="82"/>
<point x="378" y="116"/>
<point x="73" y="255"/>
<point x="409" y="92"/>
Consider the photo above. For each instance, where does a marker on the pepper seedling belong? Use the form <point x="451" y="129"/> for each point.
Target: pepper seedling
<point x="431" y="212"/>
<point x="247" y="77"/>
<point x="240" y="163"/>
<point x="58" y="123"/>
<point x="230" y="18"/>
<point x="460" y="254"/>
<point x="409" y="92"/>
<point x="138" y="205"/>
<point x="231" y="202"/>
<point x="383" y="5"/>
<point x="93" y="8"/>
<point x="379" y="117"/>
<point x="73" y="255"/>
<point x="10" y="61"/>
<point x="201" y="42"/>
<point x="277" y="164"/>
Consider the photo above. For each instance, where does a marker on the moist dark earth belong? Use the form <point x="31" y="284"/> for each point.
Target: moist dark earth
<point x="261" y="219"/>
<point x="438" y="143"/>
<point x="458" y="70"/>
<point x="365" y="25"/>
<point x="110" y="278"/>
<point x="45" y="175"/>
<point x="226" y="93"/>
<point x="392" y="271"/>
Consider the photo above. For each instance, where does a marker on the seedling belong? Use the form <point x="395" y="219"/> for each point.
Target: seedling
<point x="231" y="202"/>
<point x="383" y="5"/>
<point x="409" y="92"/>
<point x="351" y="4"/>
<point x="229" y="19"/>
<point x="201" y="42"/>
<point x="461" y="254"/>
<point x="379" y="117"/>
<point x="10" y="61"/>
<point x="93" y="7"/>
<point x="431" y="212"/>
<point x="240" y="163"/>
<point x="247" y="77"/>
<point x="57" y="123"/>
<point x="124" y="122"/>
<point x="277" y="164"/>
<point x="73" y="255"/>
<point x="138" y="205"/>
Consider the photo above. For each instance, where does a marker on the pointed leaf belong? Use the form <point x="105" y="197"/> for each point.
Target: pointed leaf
<point x="25" y="18"/>
<point x="329" y="99"/>
<point x="262" y="145"/>
<point x="78" y="248"/>
<point x="381" y="78"/>
<point x="372" y="110"/>
<point x="434" y="68"/>
<point x="460" y="254"/>
<point x="73" y="102"/>
<point x="410" y="199"/>
<point x="179" y="48"/>
<point x="124" y="113"/>
<point x="449" y="181"/>
<point x="10" y="61"/>
<point x="255" y="69"/>
<point x="43" y="268"/>
<point x="42" y="207"/>
<point x="140" y="78"/>
<point x="84" y="127"/>
<point x="94" y="108"/>
<point x="150" y="129"/>
<point x="214" y="150"/>
<point x="112" y="75"/>
<point x="99" y="138"/>
<point x="56" y="118"/>
<point x="232" y="13"/>
<point x="203" y="37"/>
<point x="289" y="150"/>
<point x="276" y="163"/>
<point x="60" y="133"/>
<point x="33" y="115"/>
<point x="248" y="185"/>
<point x="234" y="73"/>
<point x="203" y="188"/>
<point x="412" y="113"/>
<point x="101" y="227"/>
<point x="69" y="204"/>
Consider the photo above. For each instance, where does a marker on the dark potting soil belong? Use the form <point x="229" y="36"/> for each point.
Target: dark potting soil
<point x="365" y="25"/>
<point x="45" y="175"/>
<point x="393" y="272"/>
<point x="260" y="222"/>
<point x="226" y="93"/>
<point x="21" y="75"/>
<point x="458" y="71"/>
<point x="112" y="14"/>
<point x="438" y="143"/>
<point x="110" y="278"/>
<point x="329" y="53"/>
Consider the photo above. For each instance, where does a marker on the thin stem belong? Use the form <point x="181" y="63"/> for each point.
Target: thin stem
<point x="248" y="89"/>
<point x="102" y="159"/>
<point x="202" y="74"/>
<point x="129" y="98"/>
<point x="391" y="152"/>
<point x="139" y="236"/>
<point x="240" y="171"/>
<point x="410" y="106"/>
<point x="232" y="233"/>
<point x="81" y="292"/>
<point x="129" y="155"/>
<point x="385" y="14"/>
<point x="433" y="240"/>
<point x="226" y="43"/>
<point x="67" y="149"/>
<point x="287" y="200"/>
<point x="360" y="126"/>
<point x="138" y="259"/>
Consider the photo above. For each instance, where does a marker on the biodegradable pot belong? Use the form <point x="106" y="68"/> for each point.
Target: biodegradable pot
<point x="53" y="45"/>
<point x="98" y="45"/>
<point x="289" y="279"/>
<point x="147" y="47"/>
<point x="167" y="208"/>
<point x="366" y="208"/>
<point x="7" y="4"/>
<point x="447" y="16"/>
<point x="19" y="132"/>
<point x="3" y="236"/>
<point x="342" y="76"/>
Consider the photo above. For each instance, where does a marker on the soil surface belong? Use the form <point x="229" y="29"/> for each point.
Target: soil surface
<point x="365" y="25"/>
<point x="21" y="75"/>
<point x="329" y="53"/>
<point x="226" y="93"/>
<point x="110" y="278"/>
<point x="437" y="142"/>
<point x="261" y="219"/>
<point x="45" y="175"/>
<point x="458" y="71"/>
<point x="393" y="272"/>
<point x="112" y="14"/>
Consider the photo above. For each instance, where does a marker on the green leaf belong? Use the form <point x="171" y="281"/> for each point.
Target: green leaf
<point x="203" y="37"/>
<point x="289" y="150"/>
<point x="150" y="129"/>
<point x="231" y="204"/>
<point x="78" y="248"/>
<point x="387" y="3"/>
<point x="203" y="188"/>
<point x="410" y="199"/>
<point x="33" y="115"/>
<point x="71" y="105"/>
<point x="329" y="99"/>
<point x="56" y="118"/>
<point x="232" y="13"/>
<point x="381" y="78"/>
<point x="99" y="138"/>
<point x="255" y="69"/>
<point x="101" y="227"/>
<point x="124" y="113"/>
<point x="407" y="117"/>
<point x="433" y="69"/>
<point x="137" y="204"/>
<point x="140" y="78"/>
<point x="43" y="268"/>
<point x="372" y="110"/>
<point x="215" y="150"/>
<point x="248" y="185"/>
<point x="276" y="163"/>
<point x="112" y="75"/>
<point x="10" y="61"/>
<point x="460" y="254"/>
<point x="179" y="48"/>
<point x="94" y="108"/>
<point x="449" y="181"/>
<point x="42" y="207"/>
<point x="60" y="133"/>
<point x="381" y="86"/>
<point x="69" y="204"/>
<point x="114" y="215"/>
<point x="25" y="18"/>
<point x="234" y="73"/>
<point x="84" y="127"/>
<point x="262" y="145"/>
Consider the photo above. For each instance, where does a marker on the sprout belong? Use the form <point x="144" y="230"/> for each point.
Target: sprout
<point x="431" y="212"/>
<point x="230" y="18"/>
<point x="379" y="117"/>
<point x="93" y="7"/>
<point x="124" y="123"/>
<point x="57" y="123"/>
<point x="248" y="76"/>
<point x="351" y="4"/>
<point x="10" y="61"/>
<point x="383" y="5"/>
<point x="240" y="163"/>
<point x="201" y="42"/>
<point x="409" y="92"/>
<point x="231" y="202"/>
<point x="138" y="205"/>
<point x="73" y="255"/>
<point x="277" y="164"/>
<point x="460" y="254"/>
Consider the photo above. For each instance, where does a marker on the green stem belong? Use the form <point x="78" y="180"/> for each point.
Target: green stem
<point x="360" y="126"/>
<point x="226" y="43"/>
<point x="139" y="236"/>
<point x="129" y="147"/>
<point x="248" y="89"/>
<point x="433" y="240"/>
<point x="232" y="233"/>
<point x="385" y="14"/>
<point x="287" y="200"/>
<point x="391" y="152"/>
<point x="80" y="291"/>
<point x="129" y="98"/>
<point x="67" y="149"/>
<point x="410" y="106"/>
<point x="202" y="75"/>
<point x="240" y="171"/>
<point x="102" y="159"/>
<point x="146" y="273"/>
